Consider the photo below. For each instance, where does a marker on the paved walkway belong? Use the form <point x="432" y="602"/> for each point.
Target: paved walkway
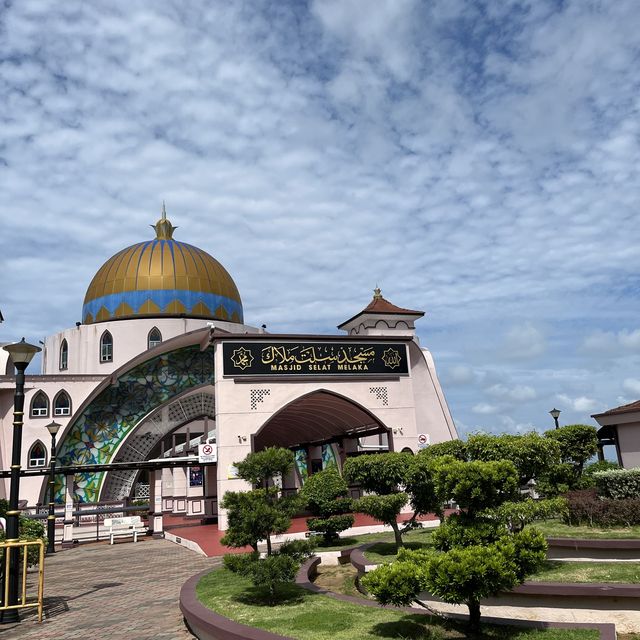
<point x="125" y="591"/>
<point x="207" y="537"/>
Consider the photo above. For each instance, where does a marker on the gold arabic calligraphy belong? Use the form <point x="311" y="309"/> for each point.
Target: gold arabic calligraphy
<point x="310" y="355"/>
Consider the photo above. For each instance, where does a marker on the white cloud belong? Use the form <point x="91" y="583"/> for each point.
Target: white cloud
<point x="524" y="341"/>
<point x="632" y="385"/>
<point x="519" y="393"/>
<point x="580" y="404"/>
<point x="316" y="149"/>
<point x="460" y="374"/>
<point x="612" y="343"/>
<point x="484" y="408"/>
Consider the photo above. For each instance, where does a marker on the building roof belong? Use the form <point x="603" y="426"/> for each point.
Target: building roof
<point x="625" y="408"/>
<point x="162" y="277"/>
<point x="381" y="306"/>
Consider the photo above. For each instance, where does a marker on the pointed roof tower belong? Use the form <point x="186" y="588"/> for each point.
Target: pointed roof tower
<point x="381" y="317"/>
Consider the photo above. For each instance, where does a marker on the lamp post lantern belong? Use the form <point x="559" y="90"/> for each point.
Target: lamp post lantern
<point x="555" y="414"/>
<point x="52" y="428"/>
<point x="21" y="354"/>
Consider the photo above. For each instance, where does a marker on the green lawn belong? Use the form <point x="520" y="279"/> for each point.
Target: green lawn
<point x="385" y="552"/>
<point x="556" y="529"/>
<point x="304" y="615"/>
<point x="625" y="572"/>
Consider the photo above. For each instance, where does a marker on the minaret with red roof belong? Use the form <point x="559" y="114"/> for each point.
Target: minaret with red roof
<point x="382" y="318"/>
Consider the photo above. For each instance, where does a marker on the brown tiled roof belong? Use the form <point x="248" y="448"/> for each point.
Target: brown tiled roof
<point x="382" y="305"/>
<point x="625" y="408"/>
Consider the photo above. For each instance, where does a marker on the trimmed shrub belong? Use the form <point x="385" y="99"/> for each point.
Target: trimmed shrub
<point x="455" y="532"/>
<point x="273" y="570"/>
<point x="330" y="527"/>
<point x="299" y="550"/>
<point x="618" y="484"/>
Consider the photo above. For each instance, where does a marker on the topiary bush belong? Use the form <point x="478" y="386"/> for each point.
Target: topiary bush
<point x="326" y="495"/>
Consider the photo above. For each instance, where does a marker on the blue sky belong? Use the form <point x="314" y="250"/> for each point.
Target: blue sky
<point x="477" y="160"/>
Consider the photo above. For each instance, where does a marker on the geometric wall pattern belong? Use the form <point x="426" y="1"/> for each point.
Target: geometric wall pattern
<point x="98" y="431"/>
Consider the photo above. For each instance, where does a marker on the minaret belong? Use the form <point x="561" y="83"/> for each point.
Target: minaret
<point x="382" y="318"/>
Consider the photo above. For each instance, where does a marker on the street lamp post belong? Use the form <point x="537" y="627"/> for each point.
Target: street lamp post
<point x="52" y="428"/>
<point x="555" y="414"/>
<point x="21" y="355"/>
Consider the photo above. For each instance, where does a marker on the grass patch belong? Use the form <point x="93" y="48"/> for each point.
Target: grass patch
<point x="622" y="572"/>
<point x="557" y="529"/>
<point x="304" y="615"/>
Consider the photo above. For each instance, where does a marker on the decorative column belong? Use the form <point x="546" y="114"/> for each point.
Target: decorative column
<point x="155" y="503"/>
<point x="67" y="532"/>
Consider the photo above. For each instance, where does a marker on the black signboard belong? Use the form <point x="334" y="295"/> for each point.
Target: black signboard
<point x="314" y="358"/>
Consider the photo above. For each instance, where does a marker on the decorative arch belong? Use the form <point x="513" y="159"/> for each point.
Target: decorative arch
<point x="318" y="417"/>
<point x="37" y="456"/>
<point x="63" y="362"/>
<point x="62" y="404"/>
<point x="143" y="438"/>
<point x="154" y="338"/>
<point x="106" y="347"/>
<point x="39" y="405"/>
<point x="121" y="402"/>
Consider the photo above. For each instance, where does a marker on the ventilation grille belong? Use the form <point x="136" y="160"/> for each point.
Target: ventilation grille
<point x="257" y="396"/>
<point x="381" y="393"/>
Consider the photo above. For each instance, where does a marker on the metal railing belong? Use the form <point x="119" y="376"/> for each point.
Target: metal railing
<point x="5" y="553"/>
<point x="89" y="517"/>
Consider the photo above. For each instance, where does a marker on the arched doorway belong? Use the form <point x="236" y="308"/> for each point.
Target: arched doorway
<point x="322" y="428"/>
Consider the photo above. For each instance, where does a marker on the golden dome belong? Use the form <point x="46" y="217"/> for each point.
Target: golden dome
<point x="162" y="277"/>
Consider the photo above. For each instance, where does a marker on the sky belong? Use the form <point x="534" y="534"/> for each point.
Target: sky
<point x="479" y="161"/>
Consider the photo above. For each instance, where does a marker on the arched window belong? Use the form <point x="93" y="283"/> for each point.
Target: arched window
<point x="154" y="339"/>
<point x="106" y="347"/>
<point x="37" y="455"/>
<point x="62" y="404"/>
<point x="40" y="405"/>
<point x="64" y="355"/>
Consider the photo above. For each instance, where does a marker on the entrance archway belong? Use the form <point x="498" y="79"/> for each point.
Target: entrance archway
<point x="317" y="418"/>
<point x="322" y="428"/>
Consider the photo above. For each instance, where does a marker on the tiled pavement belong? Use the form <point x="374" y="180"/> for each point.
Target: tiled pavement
<point x="127" y="591"/>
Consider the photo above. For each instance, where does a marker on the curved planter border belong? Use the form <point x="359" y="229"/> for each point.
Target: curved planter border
<point x="596" y="548"/>
<point x="209" y="625"/>
<point x="206" y="624"/>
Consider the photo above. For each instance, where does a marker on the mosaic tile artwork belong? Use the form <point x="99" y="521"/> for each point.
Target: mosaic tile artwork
<point x="301" y="464"/>
<point x="96" y="434"/>
<point x="328" y="456"/>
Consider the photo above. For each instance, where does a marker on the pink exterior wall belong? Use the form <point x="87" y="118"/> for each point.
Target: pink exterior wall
<point x="629" y="441"/>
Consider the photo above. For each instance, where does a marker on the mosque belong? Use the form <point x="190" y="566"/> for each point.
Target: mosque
<point x="163" y="361"/>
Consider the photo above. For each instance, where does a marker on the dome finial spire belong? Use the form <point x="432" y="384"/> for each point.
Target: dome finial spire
<point x="377" y="293"/>
<point x="164" y="228"/>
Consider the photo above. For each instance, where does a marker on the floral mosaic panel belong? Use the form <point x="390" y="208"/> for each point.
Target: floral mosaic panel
<point x="97" y="433"/>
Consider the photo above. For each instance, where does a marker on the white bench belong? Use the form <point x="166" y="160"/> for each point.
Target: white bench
<point x="126" y="526"/>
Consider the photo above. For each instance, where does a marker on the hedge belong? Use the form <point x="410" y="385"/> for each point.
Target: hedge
<point x="586" y="508"/>
<point x="618" y="484"/>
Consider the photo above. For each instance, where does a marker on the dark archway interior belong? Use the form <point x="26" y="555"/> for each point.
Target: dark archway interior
<point x="317" y="418"/>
